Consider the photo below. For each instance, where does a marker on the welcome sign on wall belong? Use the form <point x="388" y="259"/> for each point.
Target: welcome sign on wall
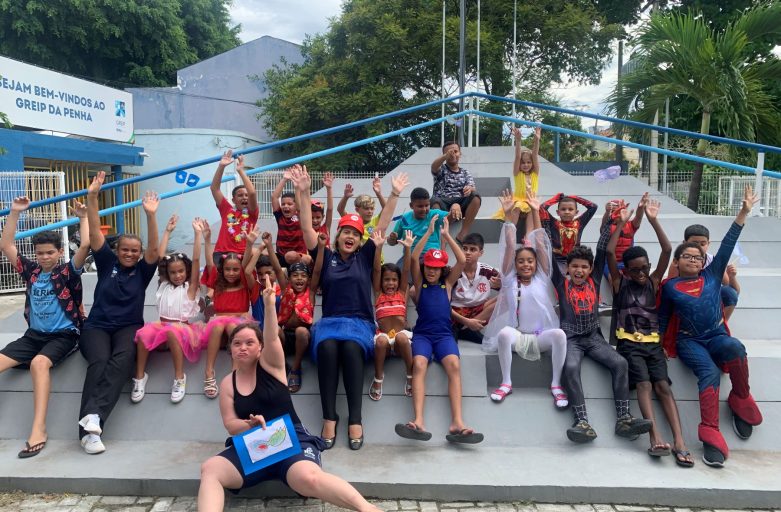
<point x="46" y="100"/>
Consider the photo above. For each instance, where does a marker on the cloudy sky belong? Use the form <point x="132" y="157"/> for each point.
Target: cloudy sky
<point x="292" y="20"/>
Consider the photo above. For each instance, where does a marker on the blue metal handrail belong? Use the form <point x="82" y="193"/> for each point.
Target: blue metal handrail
<point x="636" y="124"/>
<point x="662" y="151"/>
<point x="276" y="165"/>
<point x="254" y="149"/>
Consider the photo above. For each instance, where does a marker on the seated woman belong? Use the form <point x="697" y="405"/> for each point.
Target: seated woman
<point x="255" y="390"/>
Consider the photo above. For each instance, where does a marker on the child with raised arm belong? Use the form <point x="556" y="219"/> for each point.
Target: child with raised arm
<point x="390" y="308"/>
<point x="364" y="206"/>
<point x="239" y="218"/>
<point x="52" y="310"/>
<point x="108" y="338"/>
<point x="233" y="294"/>
<point x="433" y="335"/>
<point x="524" y="320"/>
<point x="177" y="306"/>
<point x="626" y="237"/>
<point x="290" y="239"/>
<point x="322" y="218"/>
<point x="692" y="322"/>
<point x="565" y="231"/>
<point x="526" y="172"/>
<point x="637" y="330"/>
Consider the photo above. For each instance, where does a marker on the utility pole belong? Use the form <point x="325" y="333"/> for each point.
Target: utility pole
<point x="461" y="80"/>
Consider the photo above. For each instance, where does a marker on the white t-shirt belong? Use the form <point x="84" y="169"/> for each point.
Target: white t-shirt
<point x="173" y="302"/>
<point x="468" y="294"/>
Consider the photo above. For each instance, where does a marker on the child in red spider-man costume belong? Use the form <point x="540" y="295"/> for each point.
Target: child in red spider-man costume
<point x="691" y="316"/>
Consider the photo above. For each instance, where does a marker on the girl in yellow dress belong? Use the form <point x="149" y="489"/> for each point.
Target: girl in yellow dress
<point x="526" y="172"/>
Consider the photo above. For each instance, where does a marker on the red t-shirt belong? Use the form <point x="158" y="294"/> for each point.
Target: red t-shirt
<point x="234" y="228"/>
<point x="234" y="301"/>
<point x="289" y="234"/>
<point x="625" y="240"/>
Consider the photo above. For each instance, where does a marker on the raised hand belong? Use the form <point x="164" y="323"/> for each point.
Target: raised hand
<point x="538" y="132"/>
<point x="206" y="229"/>
<point x="287" y="175"/>
<point x="377" y="237"/>
<point x="643" y="201"/>
<point x="408" y="239"/>
<point x="652" y="208"/>
<point x="445" y="229"/>
<point x="253" y="235"/>
<point x="399" y="182"/>
<point x="150" y="202"/>
<point x="532" y="200"/>
<point x="97" y="182"/>
<point x="749" y="200"/>
<point x="227" y="158"/>
<point x="376" y="185"/>
<point x="300" y="178"/>
<point x="20" y="204"/>
<point x="266" y="238"/>
<point x="507" y="201"/>
<point x="625" y="214"/>
<point x="516" y="133"/>
<point x="240" y="163"/>
<point x="322" y="238"/>
<point x="268" y="292"/>
<point x="348" y="190"/>
<point x="328" y="180"/>
<point x="197" y="225"/>
<point x="432" y="223"/>
<point x="611" y="205"/>
<point x="78" y="209"/>
<point x="171" y="225"/>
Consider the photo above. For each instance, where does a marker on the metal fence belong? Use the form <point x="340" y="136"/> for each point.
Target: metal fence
<point x="265" y="182"/>
<point x="36" y="184"/>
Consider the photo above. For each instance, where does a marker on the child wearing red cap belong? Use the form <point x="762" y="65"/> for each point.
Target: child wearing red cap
<point x="433" y="335"/>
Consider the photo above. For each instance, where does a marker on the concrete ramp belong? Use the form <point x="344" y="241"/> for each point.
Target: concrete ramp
<point x="155" y="447"/>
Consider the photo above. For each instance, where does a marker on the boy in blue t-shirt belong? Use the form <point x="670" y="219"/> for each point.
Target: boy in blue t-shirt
<point x="52" y="310"/>
<point x="418" y="220"/>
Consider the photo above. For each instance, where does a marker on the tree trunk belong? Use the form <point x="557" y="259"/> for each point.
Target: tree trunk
<point x="702" y="146"/>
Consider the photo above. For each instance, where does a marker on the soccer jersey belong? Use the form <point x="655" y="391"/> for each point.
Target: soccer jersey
<point x="469" y="293"/>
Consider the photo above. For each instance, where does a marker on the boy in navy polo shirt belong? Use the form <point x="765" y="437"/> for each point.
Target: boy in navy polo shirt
<point x="52" y="310"/>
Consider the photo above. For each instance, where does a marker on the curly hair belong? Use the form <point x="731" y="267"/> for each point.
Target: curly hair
<point x="581" y="252"/>
<point x="162" y="265"/>
<point x="633" y="253"/>
<point x="48" y="237"/>
<point x="222" y="284"/>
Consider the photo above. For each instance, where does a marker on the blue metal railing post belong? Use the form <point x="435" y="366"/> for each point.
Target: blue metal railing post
<point x="556" y="147"/>
<point x="119" y="196"/>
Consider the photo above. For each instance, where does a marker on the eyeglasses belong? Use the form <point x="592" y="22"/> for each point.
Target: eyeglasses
<point x="692" y="257"/>
<point x="639" y="270"/>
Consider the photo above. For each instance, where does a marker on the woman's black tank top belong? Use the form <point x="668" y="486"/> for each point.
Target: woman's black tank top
<point x="270" y="398"/>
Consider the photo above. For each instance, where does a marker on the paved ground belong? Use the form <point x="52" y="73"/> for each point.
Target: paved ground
<point x="78" y="503"/>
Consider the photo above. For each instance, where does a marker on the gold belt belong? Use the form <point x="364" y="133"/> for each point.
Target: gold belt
<point x="637" y="337"/>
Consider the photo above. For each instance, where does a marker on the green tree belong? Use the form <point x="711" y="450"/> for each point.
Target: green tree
<point x="378" y="57"/>
<point x="681" y="55"/>
<point x="121" y="41"/>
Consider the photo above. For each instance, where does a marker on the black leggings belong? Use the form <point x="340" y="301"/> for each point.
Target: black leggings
<point x="331" y="354"/>
<point x="594" y="346"/>
<point x="111" y="357"/>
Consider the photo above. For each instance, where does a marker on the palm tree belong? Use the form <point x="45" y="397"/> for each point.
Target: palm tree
<point x="679" y="54"/>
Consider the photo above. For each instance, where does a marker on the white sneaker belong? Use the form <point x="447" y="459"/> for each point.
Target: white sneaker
<point x="91" y="424"/>
<point x="178" y="390"/>
<point x="92" y="444"/>
<point x="139" y="389"/>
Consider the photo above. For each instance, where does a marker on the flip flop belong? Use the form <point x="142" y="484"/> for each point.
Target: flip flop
<point x="31" y="451"/>
<point x="411" y="431"/>
<point x="465" y="436"/>
<point x="680" y="458"/>
<point x="659" y="450"/>
<point x="294" y="381"/>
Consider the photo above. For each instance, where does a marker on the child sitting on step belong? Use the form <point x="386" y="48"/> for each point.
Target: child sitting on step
<point x="391" y="293"/>
<point x="471" y="301"/>
<point x="524" y="320"/>
<point x="526" y="173"/>
<point x="177" y="307"/>
<point x="433" y="336"/>
<point x="565" y="232"/>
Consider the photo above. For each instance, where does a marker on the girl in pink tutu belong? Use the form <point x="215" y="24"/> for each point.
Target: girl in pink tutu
<point x="233" y="295"/>
<point x="177" y="305"/>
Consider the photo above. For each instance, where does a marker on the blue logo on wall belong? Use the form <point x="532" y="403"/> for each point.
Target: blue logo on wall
<point x="119" y="108"/>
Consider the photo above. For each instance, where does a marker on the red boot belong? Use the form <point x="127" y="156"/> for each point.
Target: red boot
<point x="740" y="400"/>
<point x="716" y="450"/>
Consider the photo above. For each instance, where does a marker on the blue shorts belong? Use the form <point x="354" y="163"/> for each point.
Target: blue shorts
<point x="438" y="346"/>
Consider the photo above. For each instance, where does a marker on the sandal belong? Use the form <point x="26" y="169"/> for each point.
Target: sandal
<point x="410" y="430"/>
<point x="501" y="393"/>
<point x="294" y="381"/>
<point x="31" y="451"/>
<point x="210" y="388"/>
<point x="683" y="458"/>
<point x="659" y="450"/>
<point x="560" y="399"/>
<point x="408" y="386"/>
<point x="374" y="392"/>
<point x="465" y="436"/>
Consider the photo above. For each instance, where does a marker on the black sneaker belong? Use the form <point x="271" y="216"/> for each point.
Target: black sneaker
<point x="712" y="456"/>
<point x="581" y="432"/>
<point x="741" y="428"/>
<point x="631" y="427"/>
